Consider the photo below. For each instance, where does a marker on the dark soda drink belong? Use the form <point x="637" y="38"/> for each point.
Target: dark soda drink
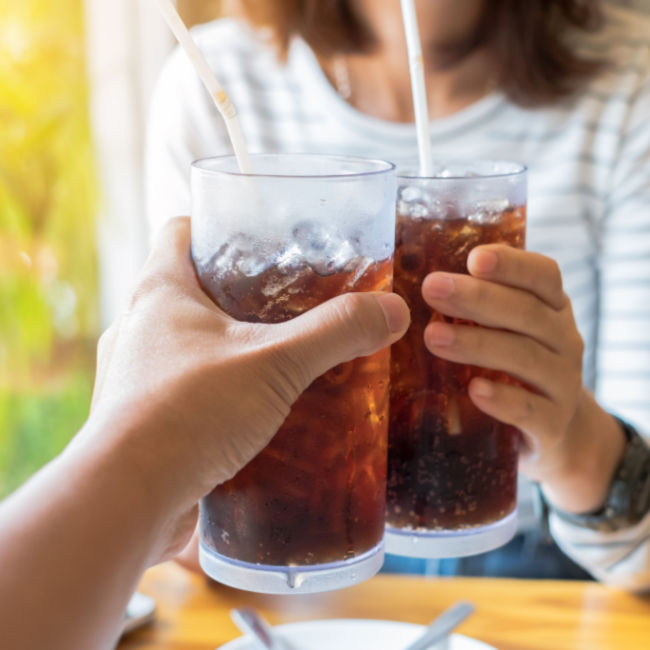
<point x="450" y="466"/>
<point x="316" y="493"/>
<point x="269" y="243"/>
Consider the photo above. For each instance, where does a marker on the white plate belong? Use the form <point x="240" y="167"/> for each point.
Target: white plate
<point x="352" y="634"/>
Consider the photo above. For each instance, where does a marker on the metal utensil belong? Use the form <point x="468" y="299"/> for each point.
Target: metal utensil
<point x="442" y="625"/>
<point x="249" y="621"/>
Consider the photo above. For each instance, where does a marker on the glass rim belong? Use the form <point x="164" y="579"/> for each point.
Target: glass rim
<point x="518" y="169"/>
<point x="381" y="166"/>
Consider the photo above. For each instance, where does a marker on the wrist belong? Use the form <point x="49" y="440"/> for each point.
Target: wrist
<point x="628" y="496"/>
<point x="597" y="444"/>
<point x="119" y="446"/>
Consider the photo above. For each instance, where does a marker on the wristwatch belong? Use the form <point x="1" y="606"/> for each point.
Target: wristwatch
<point x="628" y="500"/>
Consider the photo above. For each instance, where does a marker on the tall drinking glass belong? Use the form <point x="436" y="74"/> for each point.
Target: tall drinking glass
<point x="452" y="470"/>
<point x="307" y="514"/>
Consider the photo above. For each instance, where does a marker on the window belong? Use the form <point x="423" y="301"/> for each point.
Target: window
<point x="75" y="82"/>
<point x="48" y="270"/>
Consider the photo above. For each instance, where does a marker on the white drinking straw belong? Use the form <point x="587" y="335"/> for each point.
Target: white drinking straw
<point x="418" y="87"/>
<point x="217" y="93"/>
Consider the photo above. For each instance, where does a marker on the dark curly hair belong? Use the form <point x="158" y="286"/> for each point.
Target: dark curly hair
<point x="528" y="40"/>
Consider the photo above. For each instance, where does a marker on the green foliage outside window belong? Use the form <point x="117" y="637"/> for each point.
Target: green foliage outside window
<point x="48" y="275"/>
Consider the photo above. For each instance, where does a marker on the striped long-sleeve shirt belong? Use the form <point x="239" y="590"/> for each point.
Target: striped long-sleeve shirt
<point x="589" y="189"/>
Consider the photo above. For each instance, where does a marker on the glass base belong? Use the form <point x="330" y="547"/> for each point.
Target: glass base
<point x="450" y="543"/>
<point x="270" y="579"/>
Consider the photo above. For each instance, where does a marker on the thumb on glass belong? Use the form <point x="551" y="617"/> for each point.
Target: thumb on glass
<point x="343" y="328"/>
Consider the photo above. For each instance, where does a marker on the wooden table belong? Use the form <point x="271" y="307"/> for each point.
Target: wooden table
<point x="511" y="614"/>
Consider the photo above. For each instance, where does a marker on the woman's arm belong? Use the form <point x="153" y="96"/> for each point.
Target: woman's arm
<point x="572" y="446"/>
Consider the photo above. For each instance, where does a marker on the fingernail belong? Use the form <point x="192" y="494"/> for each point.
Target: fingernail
<point x="395" y="310"/>
<point x="482" y="388"/>
<point x="439" y="335"/>
<point x="439" y="286"/>
<point x="482" y="261"/>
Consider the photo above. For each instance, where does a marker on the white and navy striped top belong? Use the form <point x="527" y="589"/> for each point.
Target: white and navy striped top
<point x="588" y="156"/>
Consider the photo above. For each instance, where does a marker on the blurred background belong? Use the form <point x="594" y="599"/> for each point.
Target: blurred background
<point x="75" y="81"/>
